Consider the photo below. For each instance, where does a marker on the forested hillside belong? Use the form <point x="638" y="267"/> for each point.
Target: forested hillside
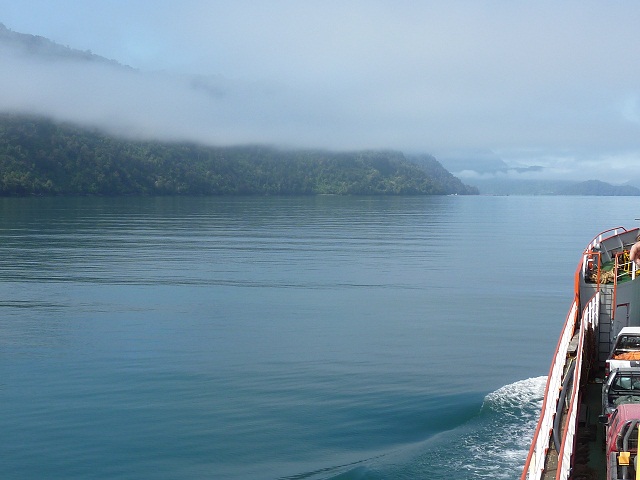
<point x="41" y="157"/>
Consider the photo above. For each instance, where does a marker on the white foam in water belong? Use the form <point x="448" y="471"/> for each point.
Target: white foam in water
<point x="500" y="444"/>
<point x="493" y="445"/>
<point x="520" y="394"/>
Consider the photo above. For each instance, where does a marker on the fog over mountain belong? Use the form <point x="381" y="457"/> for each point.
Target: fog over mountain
<point x="45" y="78"/>
<point x="548" y="89"/>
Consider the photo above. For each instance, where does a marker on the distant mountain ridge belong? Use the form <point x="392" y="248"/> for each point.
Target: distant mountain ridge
<point x="498" y="186"/>
<point x="492" y="176"/>
<point x="596" y="187"/>
<point x="42" y="48"/>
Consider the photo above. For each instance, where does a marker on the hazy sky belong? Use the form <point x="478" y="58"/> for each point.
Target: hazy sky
<point x="547" y="83"/>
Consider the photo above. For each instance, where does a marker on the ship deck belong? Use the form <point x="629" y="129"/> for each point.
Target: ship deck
<point x="589" y="461"/>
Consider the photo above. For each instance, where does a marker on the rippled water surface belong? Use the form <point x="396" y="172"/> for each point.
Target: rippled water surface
<point x="270" y="338"/>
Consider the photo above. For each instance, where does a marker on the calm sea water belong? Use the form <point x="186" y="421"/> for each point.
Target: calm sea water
<point x="282" y="338"/>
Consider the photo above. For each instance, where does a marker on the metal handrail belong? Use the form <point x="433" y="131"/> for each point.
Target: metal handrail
<point x="599" y="238"/>
<point x="534" y="465"/>
<point x="589" y="319"/>
<point x="625" y="266"/>
<point x="593" y="245"/>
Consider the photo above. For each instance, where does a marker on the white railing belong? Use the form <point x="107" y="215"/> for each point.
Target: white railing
<point x="589" y="319"/>
<point x="591" y="311"/>
<point x="534" y="466"/>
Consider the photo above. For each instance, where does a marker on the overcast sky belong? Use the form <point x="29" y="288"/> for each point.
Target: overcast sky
<point x="548" y="83"/>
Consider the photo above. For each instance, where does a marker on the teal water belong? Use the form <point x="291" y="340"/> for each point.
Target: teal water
<point x="282" y="338"/>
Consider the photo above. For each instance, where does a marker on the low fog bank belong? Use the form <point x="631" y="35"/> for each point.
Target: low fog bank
<point x="140" y="105"/>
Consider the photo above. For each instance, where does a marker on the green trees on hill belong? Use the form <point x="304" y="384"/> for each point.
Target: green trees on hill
<point x="40" y="157"/>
